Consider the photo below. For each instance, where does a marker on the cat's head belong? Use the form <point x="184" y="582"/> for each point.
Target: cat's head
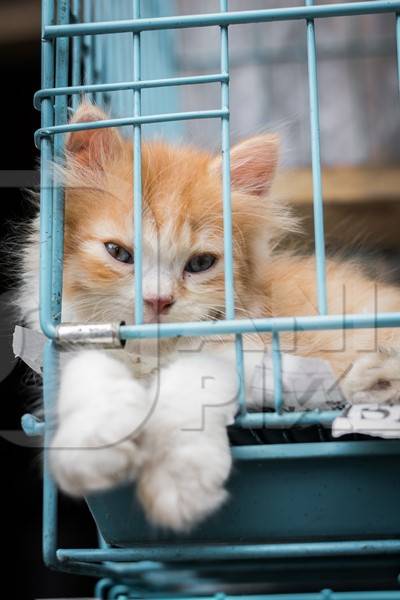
<point x="183" y="245"/>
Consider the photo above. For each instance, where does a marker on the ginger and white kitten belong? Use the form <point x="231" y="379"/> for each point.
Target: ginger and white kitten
<point x="156" y="412"/>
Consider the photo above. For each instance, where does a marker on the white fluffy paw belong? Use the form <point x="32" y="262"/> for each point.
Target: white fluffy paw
<point x="186" y="485"/>
<point x="89" y="455"/>
<point x="374" y="379"/>
<point x="101" y="413"/>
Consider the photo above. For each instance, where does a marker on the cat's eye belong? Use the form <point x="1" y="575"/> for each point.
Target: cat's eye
<point x="119" y="253"/>
<point x="200" y="262"/>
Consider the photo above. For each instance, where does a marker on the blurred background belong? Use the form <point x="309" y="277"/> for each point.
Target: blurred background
<point x="359" y="103"/>
<point x="360" y="121"/>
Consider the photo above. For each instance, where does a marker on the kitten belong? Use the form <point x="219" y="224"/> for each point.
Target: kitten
<point x="157" y="411"/>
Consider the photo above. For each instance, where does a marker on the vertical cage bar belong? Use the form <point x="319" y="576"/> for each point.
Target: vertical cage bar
<point x="46" y="183"/>
<point x="76" y="53"/>
<point x="277" y="372"/>
<point x="125" y="49"/>
<point x="105" y="49"/>
<point x="97" y="47"/>
<point x="109" y="52"/>
<point x="116" y="61"/>
<point x="226" y="173"/>
<point x="137" y="172"/>
<point x="62" y="47"/>
<point x="49" y="539"/>
<point x="88" y="48"/>
<point x="50" y="495"/>
<point x="97" y="42"/>
<point x="241" y="376"/>
<point x="227" y="210"/>
<point x="316" y="166"/>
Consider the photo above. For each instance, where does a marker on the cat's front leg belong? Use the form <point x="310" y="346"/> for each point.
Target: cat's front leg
<point x="100" y="412"/>
<point x="187" y="455"/>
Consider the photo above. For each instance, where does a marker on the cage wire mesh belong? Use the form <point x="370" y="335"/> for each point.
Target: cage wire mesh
<point x="109" y="59"/>
<point x="269" y="90"/>
<point x="268" y="79"/>
<point x="115" y="56"/>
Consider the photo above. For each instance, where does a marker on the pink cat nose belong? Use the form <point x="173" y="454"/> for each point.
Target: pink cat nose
<point x="160" y="305"/>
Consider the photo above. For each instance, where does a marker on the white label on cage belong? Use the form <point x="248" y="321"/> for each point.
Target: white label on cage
<point x="307" y="384"/>
<point x="29" y="344"/>
<point x="370" y="419"/>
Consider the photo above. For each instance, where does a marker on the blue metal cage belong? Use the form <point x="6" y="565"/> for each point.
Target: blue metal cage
<point x="332" y="507"/>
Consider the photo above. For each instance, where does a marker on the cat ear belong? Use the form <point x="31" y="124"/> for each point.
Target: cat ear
<point x="92" y="147"/>
<point x="253" y="164"/>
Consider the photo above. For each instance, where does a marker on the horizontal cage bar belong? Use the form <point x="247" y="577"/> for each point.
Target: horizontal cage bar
<point x="123" y="122"/>
<point x="300" y="451"/>
<point x="255" y="420"/>
<point x="325" y="594"/>
<point x="309" y="323"/>
<point x="236" y="552"/>
<point x="127" y="85"/>
<point x="274" y="420"/>
<point x="221" y="19"/>
<point x="295" y="324"/>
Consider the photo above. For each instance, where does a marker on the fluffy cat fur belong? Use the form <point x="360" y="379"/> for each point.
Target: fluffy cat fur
<point x="157" y="411"/>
